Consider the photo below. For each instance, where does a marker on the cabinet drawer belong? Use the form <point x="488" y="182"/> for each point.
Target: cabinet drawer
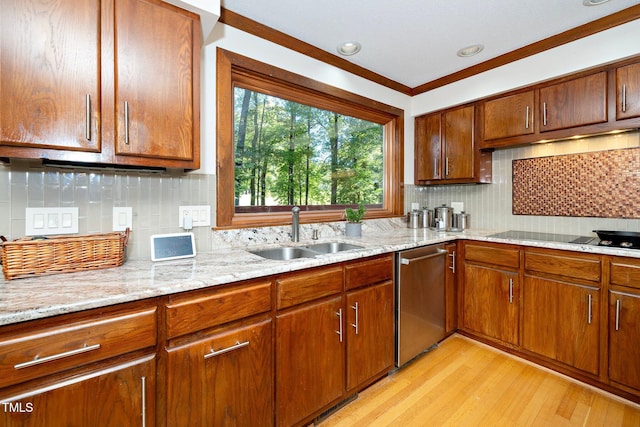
<point x="504" y="256"/>
<point x="368" y="272"/>
<point x="44" y="351"/>
<point x="190" y="313"/>
<point x="302" y="287"/>
<point x="625" y="272"/>
<point x="573" y="266"/>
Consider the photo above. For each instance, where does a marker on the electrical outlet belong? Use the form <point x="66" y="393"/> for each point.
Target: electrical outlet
<point x="457" y="207"/>
<point x="48" y="221"/>
<point x="200" y="215"/>
<point x="122" y="219"/>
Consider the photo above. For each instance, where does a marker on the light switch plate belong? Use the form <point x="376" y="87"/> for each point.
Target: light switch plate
<point x="200" y="215"/>
<point x="48" y="221"/>
<point x="122" y="219"/>
<point x="457" y="207"/>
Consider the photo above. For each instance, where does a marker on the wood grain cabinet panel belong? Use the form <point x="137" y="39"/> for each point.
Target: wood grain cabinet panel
<point x="561" y="322"/>
<point x="628" y="92"/>
<point x="495" y="255"/>
<point x="368" y="272"/>
<point x="370" y="333"/>
<point x="451" y="289"/>
<point x="428" y="148"/>
<point x="624" y="272"/>
<point x="509" y="116"/>
<point x="562" y="264"/>
<point x="298" y="288"/>
<point x="578" y="102"/>
<point x="223" y="379"/>
<point x="113" y="396"/>
<point x="624" y="336"/>
<point x="50" y="80"/>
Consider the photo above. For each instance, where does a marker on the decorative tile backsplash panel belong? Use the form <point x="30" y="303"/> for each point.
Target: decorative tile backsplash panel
<point x="604" y="184"/>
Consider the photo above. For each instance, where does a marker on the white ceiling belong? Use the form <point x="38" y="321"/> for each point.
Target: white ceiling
<point x="415" y="41"/>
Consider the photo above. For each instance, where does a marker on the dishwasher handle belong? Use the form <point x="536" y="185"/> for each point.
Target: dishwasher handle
<point x="407" y="261"/>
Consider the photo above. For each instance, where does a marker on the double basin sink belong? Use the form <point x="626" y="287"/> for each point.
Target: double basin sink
<point x="285" y="253"/>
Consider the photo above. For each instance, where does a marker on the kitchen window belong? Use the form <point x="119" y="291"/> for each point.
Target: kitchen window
<point x="286" y="140"/>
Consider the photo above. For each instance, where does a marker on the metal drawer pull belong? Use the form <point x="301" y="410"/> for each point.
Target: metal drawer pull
<point x="618" y="304"/>
<point x="526" y="122"/>
<point x="144" y="401"/>
<point x="356" y="325"/>
<point x="589" y="313"/>
<point x="126" y="122"/>
<point x="544" y="113"/>
<point x="510" y="291"/>
<point x="87" y="130"/>
<point x="339" y="331"/>
<point x="407" y="261"/>
<point x="452" y="267"/>
<point x="624" y="98"/>
<point x="37" y="361"/>
<point x="236" y="346"/>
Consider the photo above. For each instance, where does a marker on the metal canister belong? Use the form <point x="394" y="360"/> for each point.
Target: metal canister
<point x="443" y="218"/>
<point x="427" y="218"/>
<point x="413" y="219"/>
<point x="461" y="221"/>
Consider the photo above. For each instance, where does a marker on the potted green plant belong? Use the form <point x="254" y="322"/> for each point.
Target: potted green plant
<point x="353" y="227"/>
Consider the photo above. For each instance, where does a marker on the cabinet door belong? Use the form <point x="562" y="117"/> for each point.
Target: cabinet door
<point x="458" y="143"/>
<point x="49" y="84"/>
<point x="222" y="380"/>
<point x="451" y="290"/>
<point x="154" y="69"/>
<point x="428" y="147"/>
<point x="509" y="116"/>
<point x="624" y="336"/>
<point x="628" y="92"/>
<point x="309" y="360"/>
<point x="577" y="102"/>
<point x="561" y="322"/>
<point x="370" y="337"/>
<point x="118" y="396"/>
<point x="490" y="303"/>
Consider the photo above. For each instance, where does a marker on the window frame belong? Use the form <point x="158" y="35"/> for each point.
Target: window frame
<point x="234" y="69"/>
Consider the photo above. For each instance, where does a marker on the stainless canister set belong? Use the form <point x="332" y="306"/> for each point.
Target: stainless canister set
<point x="441" y="218"/>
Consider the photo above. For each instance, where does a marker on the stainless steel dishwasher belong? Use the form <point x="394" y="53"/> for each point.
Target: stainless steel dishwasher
<point x="420" y="317"/>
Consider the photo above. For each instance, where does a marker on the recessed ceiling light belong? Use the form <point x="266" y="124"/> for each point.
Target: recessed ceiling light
<point x="593" y="2"/>
<point x="474" y="49"/>
<point x="349" y="48"/>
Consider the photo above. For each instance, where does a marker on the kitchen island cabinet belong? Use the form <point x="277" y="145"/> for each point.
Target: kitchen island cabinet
<point x="491" y="292"/>
<point x="103" y="101"/>
<point x="561" y="307"/>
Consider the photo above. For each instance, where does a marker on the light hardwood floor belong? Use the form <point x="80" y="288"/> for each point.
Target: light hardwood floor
<point x="464" y="383"/>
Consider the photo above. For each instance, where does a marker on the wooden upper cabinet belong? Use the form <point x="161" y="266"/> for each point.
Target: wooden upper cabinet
<point x="578" y="102"/>
<point x="628" y="92"/>
<point x="509" y="116"/>
<point x="428" y="148"/>
<point x="155" y="68"/>
<point x="458" y="143"/>
<point x="50" y="79"/>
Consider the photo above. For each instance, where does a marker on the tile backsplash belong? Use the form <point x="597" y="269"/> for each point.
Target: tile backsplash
<point x="490" y="205"/>
<point x="154" y="198"/>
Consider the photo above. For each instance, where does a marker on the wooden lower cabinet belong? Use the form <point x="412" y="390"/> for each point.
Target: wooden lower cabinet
<point x="561" y="321"/>
<point x="624" y="338"/>
<point x="120" y="395"/>
<point x="309" y="365"/>
<point x="450" y="289"/>
<point x="225" y="379"/>
<point x="370" y="333"/>
<point x="490" y="300"/>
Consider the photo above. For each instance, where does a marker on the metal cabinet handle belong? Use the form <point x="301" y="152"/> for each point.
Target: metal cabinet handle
<point x="144" y="401"/>
<point x="339" y="331"/>
<point x="407" y="261"/>
<point x="87" y="118"/>
<point x="236" y="346"/>
<point x="589" y="311"/>
<point x="452" y="267"/>
<point x="544" y="113"/>
<point x="446" y="167"/>
<point x="618" y="306"/>
<point x="526" y="120"/>
<point x="38" y="361"/>
<point x="356" y="325"/>
<point x="126" y="122"/>
<point x="510" y="290"/>
<point x="624" y="98"/>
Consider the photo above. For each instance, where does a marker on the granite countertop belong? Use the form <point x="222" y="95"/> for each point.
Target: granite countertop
<point x="44" y="296"/>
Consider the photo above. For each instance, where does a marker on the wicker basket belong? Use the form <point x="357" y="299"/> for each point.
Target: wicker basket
<point x="36" y="257"/>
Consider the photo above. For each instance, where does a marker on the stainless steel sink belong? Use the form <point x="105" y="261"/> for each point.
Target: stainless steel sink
<point x="332" y="247"/>
<point x="285" y="253"/>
